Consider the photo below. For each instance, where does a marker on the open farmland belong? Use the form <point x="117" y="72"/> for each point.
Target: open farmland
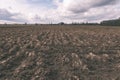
<point x="59" y="52"/>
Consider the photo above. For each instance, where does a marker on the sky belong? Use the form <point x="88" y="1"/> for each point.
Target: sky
<point x="55" y="11"/>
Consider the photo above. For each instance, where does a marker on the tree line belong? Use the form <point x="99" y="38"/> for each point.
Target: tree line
<point x="115" y="22"/>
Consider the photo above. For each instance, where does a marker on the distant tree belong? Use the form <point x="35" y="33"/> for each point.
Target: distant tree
<point x="5" y="24"/>
<point x="51" y="23"/>
<point x="61" y="23"/>
<point x="25" y="23"/>
<point x="75" y="23"/>
<point x="115" y="22"/>
<point x="36" y="24"/>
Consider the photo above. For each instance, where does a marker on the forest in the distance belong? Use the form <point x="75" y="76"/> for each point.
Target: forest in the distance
<point x="114" y="22"/>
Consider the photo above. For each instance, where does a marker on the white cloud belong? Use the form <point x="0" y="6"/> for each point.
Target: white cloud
<point x="89" y="10"/>
<point x="61" y="10"/>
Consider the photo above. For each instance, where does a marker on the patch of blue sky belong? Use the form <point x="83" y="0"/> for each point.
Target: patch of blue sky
<point x="44" y="3"/>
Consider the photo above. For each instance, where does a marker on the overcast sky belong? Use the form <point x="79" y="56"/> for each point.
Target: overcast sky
<point x="47" y="11"/>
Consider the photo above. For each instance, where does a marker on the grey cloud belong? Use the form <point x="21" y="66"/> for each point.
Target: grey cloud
<point x="40" y="19"/>
<point x="78" y="10"/>
<point x="9" y="16"/>
<point x="4" y="14"/>
<point x="104" y="3"/>
<point x="88" y="4"/>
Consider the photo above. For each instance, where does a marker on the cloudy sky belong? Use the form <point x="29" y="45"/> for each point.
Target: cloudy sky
<point x="47" y="11"/>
